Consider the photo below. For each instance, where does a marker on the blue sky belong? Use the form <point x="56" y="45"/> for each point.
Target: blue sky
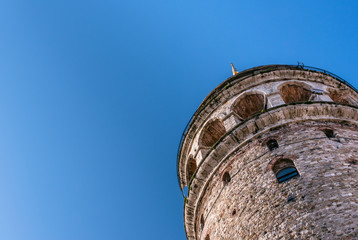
<point x="94" y="96"/>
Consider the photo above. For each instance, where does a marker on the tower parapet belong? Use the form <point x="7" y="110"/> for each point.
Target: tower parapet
<point x="272" y="152"/>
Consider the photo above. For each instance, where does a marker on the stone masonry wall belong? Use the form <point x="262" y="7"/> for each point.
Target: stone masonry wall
<point x="267" y="80"/>
<point x="322" y="203"/>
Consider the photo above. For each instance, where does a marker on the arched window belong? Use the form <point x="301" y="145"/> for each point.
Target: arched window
<point x="249" y="105"/>
<point x="202" y="222"/>
<point x="340" y="97"/>
<point x="226" y="178"/>
<point x="190" y="169"/>
<point x="272" y="144"/>
<point x="284" y="170"/>
<point x="211" y="133"/>
<point x="207" y="237"/>
<point x="294" y="92"/>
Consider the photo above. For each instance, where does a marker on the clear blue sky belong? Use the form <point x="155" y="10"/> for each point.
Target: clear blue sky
<point x="94" y="96"/>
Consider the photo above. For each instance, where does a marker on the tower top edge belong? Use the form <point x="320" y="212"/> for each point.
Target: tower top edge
<point x="270" y="68"/>
<point x="250" y="72"/>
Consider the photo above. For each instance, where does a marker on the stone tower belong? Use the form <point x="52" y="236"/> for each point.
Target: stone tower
<point x="272" y="153"/>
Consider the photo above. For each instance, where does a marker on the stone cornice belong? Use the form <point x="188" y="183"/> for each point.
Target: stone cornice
<point x="241" y="82"/>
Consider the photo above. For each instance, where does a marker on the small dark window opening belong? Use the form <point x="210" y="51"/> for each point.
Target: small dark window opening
<point x="207" y="237"/>
<point x="272" y="144"/>
<point x="286" y="174"/>
<point x="202" y="222"/>
<point x="291" y="198"/>
<point x="284" y="169"/>
<point x="352" y="161"/>
<point x="329" y="133"/>
<point x="226" y="178"/>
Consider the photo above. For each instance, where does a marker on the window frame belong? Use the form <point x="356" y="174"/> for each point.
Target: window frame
<point x="285" y="177"/>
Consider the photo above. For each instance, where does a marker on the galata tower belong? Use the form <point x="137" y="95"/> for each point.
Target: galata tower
<point x="272" y="153"/>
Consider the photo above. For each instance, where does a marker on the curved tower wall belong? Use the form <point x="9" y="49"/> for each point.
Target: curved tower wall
<point x="255" y="123"/>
